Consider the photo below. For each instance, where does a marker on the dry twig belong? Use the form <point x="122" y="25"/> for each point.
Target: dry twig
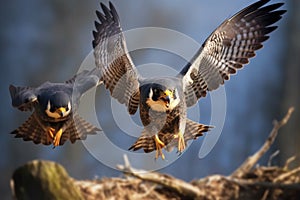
<point x="177" y="185"/>
<point x="252" y="160"/>
<point x="288" y="162"/>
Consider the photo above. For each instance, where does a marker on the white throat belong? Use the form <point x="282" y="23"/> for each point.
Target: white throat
<point x="160" y="106"/>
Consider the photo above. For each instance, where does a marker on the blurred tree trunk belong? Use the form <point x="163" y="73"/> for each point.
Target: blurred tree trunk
<point x="289" y="145"/>
<point x="43" y="180"/>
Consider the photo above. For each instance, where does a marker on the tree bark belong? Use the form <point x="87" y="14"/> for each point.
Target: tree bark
<point x="43" y="180"/>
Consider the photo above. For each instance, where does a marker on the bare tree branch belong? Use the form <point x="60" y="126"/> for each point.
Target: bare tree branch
<point x="288" y="162"/>
<point x="170" y="182"/>
<point x="252" y="160"/>
<point x="284" y="176"/>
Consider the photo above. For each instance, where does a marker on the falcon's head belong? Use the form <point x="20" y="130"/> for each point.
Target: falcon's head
<point x="161" y="98"/>
<point x="57" y="105"/>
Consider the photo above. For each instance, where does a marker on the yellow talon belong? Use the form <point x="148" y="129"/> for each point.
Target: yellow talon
<point x="159" y="141"/>
<point x="57" y="137"/>
<point x="50" y="134"/>
<point x="159" y="145"/>
<point x="181" y="143"/>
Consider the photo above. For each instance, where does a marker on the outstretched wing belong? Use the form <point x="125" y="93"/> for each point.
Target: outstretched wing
<point x="229" y="48"/>
<point x="23" y="98"/>
<point x="84" y="81"/>
<point x="118" y="73"/>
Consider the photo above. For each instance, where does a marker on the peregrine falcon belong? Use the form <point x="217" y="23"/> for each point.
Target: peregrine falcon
<point x="55" y="118"/>
<point x="163" y="101"/>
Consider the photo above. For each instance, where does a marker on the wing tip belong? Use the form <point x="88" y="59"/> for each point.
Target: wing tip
<point x="12" y="90"/>
<point x="105" y="9"/>
<point x="106" y="17"/>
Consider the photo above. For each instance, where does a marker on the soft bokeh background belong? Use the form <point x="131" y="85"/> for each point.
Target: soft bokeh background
<point x="48" y="40"/>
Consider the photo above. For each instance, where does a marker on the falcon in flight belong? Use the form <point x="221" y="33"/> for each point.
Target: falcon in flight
<point x="163" y="101"/>
<point x="54" y="119"/>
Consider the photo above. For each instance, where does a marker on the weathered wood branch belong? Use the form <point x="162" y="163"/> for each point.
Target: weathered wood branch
<point x="173" y="184"/>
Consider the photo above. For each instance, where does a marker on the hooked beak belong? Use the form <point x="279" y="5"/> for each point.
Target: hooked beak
<point x="61" y="111"/>
<point x="167" y="97"/>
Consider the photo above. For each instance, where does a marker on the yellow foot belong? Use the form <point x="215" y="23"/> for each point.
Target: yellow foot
<point x="181" y="143"/>
<point x="159" y="145"/>
<point x="57" y="138"/>
<point x="50" y="134"/>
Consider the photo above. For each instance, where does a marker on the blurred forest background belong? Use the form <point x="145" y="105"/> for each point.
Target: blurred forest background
<point x="48" y="40"/>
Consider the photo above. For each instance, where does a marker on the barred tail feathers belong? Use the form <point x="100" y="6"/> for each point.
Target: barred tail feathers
<point x="31" y="130"/>
<point x="147" y="141"/>
<point x="78" y="130"/>
<point x="193" y="130"/>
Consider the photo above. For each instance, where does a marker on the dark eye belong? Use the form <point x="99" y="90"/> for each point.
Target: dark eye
<point x="52" y="109"/>
<point x="156" y="92"/>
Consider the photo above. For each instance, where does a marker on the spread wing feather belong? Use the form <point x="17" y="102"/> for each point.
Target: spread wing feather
<point x="229" y="48"/>
<point x="118" y="73"/>
<point x="23" y="98"/>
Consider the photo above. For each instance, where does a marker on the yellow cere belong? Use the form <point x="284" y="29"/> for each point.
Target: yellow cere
<point x="61" y="110"/>
<point x="168" y="93"/>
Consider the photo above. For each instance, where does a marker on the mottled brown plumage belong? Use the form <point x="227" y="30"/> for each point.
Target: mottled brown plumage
<point x="225" y="51"/>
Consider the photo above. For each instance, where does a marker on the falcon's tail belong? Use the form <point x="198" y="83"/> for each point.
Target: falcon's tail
<point x="147" y="141"/>
<point x="31" y="130"/>
<point x="78" y="130"/>
<point x="193" y="130"/>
